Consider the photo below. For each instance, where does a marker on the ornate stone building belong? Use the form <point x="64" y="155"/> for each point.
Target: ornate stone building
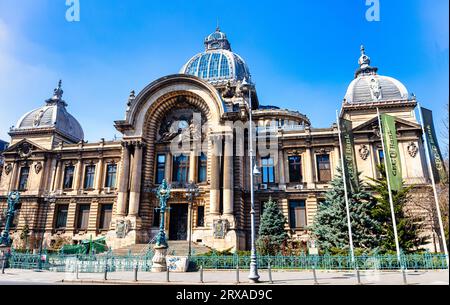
<point x="74" y="189"/>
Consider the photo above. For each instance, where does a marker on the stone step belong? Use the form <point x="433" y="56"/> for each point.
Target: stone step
<point x="175" y="247"/>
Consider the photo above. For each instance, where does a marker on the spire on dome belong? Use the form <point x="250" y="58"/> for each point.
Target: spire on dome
<point x="57" y="95"/>
<point x="58" y="92"/>
<point x="364" y="64"/>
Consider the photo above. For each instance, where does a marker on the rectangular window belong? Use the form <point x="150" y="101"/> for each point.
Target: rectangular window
<point x="200" y="216"/>
<point x="295" y="168"/>
<point x="180" y="168"/>
<point x="202" y="167"/>
<point x="297" y="214"/>
<point x="323" y="167"/>
<point x="267" y="167"/>
<point x="156" y="216"/>
<point x="83" y="216"/>
<point x="23" y="178"/>
<point x="68" y="176"/>
<point x="89" y="177"/>
<point x="61" y="216"/>
<point x="381" y="156"/>
<point x="105" y="216"/>
<point x="160" y="168"/>
<point x="111" y="174"/>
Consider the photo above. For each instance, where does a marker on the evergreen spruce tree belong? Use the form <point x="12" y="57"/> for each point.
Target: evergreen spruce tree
<point x="409" y="227"/>
<point x="272" y="234"/>
<point x="330" y="228"/>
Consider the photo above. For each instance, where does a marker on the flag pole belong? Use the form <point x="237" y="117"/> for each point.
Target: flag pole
<point x="430" y="170"/>
<point x="350" y="238"/>
<point x="394" y="222"/>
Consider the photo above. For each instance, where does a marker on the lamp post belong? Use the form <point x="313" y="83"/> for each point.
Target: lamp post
<point x="192" y="192"/>
<point x="13" y="200"/>
<point x="159" y="258"/>
<point x="253" y="275"/>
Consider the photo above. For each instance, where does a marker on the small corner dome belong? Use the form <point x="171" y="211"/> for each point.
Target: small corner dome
<point x="368" y="86"/>
<point x="217" y="64"/>
<point x="53" y="115"/>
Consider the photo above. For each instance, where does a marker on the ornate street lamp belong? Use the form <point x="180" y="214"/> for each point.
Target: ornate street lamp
<point x="13" y="200"/>
<point x="159" y="258"/>
<point x="192" y="192"/>
<point x="163" y="194"/>
<point x="253" y="276"/>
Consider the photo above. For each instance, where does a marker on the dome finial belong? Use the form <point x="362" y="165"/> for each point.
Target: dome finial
<point x="363" y="50"/>
<point x="58" y="92"/>
<point x="218" y="25"/>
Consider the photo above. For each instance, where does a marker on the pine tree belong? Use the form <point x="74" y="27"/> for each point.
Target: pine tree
<point x="272" y="234"/>
<point x="409" y="227"/>
<point x="330" y="227"/>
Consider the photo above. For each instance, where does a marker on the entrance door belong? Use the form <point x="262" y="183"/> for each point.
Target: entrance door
<point x="178" y="222"/>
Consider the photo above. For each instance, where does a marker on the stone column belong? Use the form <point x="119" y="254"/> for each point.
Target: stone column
<point x="214" y="193"/>
<point x="14" y="176"/>
<point x="78" y="177"/>
<point x="122" y="195"/>
<point x="309" y="169"/>
<point x="135" y="188"/>
<point x="281" y="167"/>
<point x="335" y="161"/>
<point x="192" y="166"/>
<point x="59" y="173"/>
<point x="100" y="175"/>
<point x="228" y="176"/>
<point x="168" y="168"/>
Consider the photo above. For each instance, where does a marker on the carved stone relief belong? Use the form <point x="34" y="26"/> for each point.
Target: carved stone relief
<point x="38" y="167"/>
<point x="412" y="149"/>
<point x="363" y="152"/>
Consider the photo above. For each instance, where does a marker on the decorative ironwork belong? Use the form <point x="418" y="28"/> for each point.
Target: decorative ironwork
<point x="89" y="263"/>
<point x="13" y="200"/>
<point x="163" y="194"/>
<point x="192" y="192"/>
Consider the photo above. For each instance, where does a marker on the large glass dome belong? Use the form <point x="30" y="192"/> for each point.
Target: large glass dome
<point x="218" y="64"/>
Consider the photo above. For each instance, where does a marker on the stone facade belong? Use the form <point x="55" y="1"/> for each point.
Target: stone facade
<point x="77" y="190"/>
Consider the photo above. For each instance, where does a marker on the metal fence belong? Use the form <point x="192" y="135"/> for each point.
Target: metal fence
<point x="82" y="263"/>
<point x="325" y="262"/>
<point x="98" y="263"/>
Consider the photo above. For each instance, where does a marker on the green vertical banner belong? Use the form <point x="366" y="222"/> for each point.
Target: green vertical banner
<point x="392" y="154"/>
<point x="348" y="143"/>
<point x="437" y="163"/>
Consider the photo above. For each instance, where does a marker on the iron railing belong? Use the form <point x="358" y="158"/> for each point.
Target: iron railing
<point x="97" y="263"/>
<point x="325" y="262"/>
<point x="84" y="263"/>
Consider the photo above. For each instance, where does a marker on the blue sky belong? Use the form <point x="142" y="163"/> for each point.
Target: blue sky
<point x="302" y="54"/>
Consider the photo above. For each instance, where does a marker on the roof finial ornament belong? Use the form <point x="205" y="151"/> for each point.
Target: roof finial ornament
<point x="131" y="98"/>
<point x="364" y="63"/>
<point x="58" y="92"/>
<point x="218" y="26"/>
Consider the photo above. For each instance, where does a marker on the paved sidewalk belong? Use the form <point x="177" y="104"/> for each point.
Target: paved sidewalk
<point x="212" y="277"/>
